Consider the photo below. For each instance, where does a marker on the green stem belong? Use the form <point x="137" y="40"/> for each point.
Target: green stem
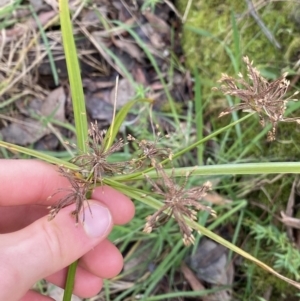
<point x="70" y="281"/>
<point x="221" y="169"/>
<point x="78" y="105"/>
<point x="180" y="153"/>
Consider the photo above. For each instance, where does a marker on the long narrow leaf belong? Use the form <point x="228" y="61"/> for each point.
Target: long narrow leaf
<point x="114" y="128"/>
<point x="78" y="102"/>
<point x="120" y="117"/>
<point x="198" y="115"/>
<point x="36" y="154"/>
<point x="74" y="75"/>
<point x="47" y="45"/>
<point x="221" y="169"/>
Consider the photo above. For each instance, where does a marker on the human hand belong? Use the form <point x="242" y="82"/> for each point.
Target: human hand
<point x="33" y="248"/>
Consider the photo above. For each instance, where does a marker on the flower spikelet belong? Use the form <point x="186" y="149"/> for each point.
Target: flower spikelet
<point x="76" y="193"/>
<point x="151" y="151"/>
<point x="258" y="95"/>
<point x="95" y="160"/>
<point x="179" y="202"/>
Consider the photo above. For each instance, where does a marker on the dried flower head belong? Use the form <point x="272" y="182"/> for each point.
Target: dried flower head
<point x="179" y="202"/>
<point x="266" y="99"/>
<point x="75" y="194"/>
<point x="94" y="162"/>
<point x="150" y="151"/>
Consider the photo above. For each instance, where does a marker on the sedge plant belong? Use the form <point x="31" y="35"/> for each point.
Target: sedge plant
<point x="153" y="163"/>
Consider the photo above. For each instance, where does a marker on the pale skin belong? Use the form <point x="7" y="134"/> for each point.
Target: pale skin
<point x="33" y="248"/>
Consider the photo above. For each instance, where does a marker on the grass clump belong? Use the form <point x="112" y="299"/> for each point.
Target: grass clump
<point x="170" y="179"/>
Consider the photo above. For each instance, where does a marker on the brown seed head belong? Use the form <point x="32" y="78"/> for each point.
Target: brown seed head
<point x="258" y="95"/>
<point x="179" y="202"/>
<point x="76" y="193"/>
<point x="94" y="162"/>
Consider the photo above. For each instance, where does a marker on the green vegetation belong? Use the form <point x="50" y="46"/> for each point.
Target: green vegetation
<point x="248" y="173"/>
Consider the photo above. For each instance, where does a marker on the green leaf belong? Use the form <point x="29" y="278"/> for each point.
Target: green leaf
<point x="74" y="76"/>
<point x="117" y="122"/>
<point x="78" y="104"/>
<point x="220" y="169"/>
<point x="47" y="46"/>
<point x="38" y="155"/>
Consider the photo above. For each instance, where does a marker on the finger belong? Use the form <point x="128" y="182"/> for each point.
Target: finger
<point x="104" y="261"/>
<point x="36" y="181"/>
<point x="14" y="218"/>
<point x="122" y="211"/>
<point x="86" y="285"/>
<point x="29" y="182"/>
<point x="34" y="296"/>
<point x="45" y="247"/>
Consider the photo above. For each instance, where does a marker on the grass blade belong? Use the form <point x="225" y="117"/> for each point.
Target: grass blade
<point x="120" y="117"/>
<point x="47" y="45"/>
<point x="78" y="102"/>
<point x="74" y="76"/>
<point x="150" y="171"/>
<point x="221" y="169"/>
<point x="36" y="154"/>
<point x="198" y="115"/>
<point x="115" y="126"/>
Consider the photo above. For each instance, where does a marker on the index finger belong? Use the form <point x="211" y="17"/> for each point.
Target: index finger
<point x="27" y="182"/>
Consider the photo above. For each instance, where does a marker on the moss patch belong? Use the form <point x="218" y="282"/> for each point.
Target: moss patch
<point x="217" y="33"/>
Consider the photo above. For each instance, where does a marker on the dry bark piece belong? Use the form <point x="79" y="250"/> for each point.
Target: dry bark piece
<point x="55" y="104"/>
<point x="154" y="37"/>
<point x="93" y="85"/>
<point x="139" y="75"/>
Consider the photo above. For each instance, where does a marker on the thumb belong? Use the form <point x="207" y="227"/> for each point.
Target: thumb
<point x="45" y="247"/>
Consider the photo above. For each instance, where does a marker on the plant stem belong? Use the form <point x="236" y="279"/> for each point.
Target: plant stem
<point x="70" y="281"/>
<point x="77" y="102"/>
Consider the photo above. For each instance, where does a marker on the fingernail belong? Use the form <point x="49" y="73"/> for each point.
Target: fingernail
<point x="97" y="220"/>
